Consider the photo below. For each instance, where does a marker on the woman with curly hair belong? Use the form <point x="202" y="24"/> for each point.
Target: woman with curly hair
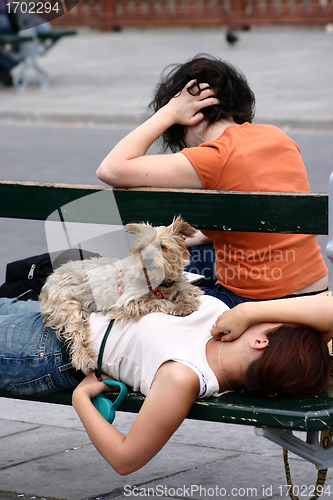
<point x="203" y="113"/>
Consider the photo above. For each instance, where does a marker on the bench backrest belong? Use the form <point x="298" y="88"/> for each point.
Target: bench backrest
<point x="304" y="213"/>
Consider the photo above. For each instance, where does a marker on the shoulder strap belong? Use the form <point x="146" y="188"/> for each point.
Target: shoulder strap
<point x="98" y="371"/>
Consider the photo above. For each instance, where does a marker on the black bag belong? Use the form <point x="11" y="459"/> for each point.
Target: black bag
<point x="25" y="278"/>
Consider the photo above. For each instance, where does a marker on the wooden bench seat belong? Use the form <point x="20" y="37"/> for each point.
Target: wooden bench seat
<point x="313" y="414"/>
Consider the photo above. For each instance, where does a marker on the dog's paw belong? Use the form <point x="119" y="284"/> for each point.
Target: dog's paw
<point x="185" y="309"/>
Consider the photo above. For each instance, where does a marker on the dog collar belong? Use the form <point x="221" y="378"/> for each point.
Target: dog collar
<point x="120" y="281"/>
<point x="154" y="290"/>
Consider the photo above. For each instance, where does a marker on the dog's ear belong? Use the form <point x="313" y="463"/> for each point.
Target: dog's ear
<point x="179" y="226"/>
<point x="143" y="231"/>
<point x="133" y="228"/>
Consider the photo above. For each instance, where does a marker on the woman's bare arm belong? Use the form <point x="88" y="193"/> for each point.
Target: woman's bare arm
<point x="198" y="239"/>
<point x="172" y="394"/>
<point x="315" y="311"/>
<point x="127" y="164"/>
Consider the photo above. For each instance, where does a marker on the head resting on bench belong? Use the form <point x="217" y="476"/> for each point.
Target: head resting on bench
<point x="295" y="364"/>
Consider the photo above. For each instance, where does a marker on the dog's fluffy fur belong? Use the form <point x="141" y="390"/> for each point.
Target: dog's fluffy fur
<point x="78" y="288"/>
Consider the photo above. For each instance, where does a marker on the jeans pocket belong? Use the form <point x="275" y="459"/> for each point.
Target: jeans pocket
<point x="41" y="385"/>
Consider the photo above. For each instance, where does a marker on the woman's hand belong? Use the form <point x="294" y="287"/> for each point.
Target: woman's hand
<point x="185" y="107"/>
<point x="91" y="386"/>
<point x="197" y="239"/>
<point x="231" y="324"/>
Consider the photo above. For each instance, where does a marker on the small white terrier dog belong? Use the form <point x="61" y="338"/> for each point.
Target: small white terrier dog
<point x="151" y="280"/>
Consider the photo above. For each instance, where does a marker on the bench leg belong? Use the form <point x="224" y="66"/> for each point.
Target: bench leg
<point x="20" y="79"/>
<point x="310" y="449"/>
<point x="329" y="247"/>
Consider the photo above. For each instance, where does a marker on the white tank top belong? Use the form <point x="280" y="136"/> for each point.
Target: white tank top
<point x="135" y="351"/>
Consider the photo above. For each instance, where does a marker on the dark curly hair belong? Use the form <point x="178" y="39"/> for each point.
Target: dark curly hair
<point x="237" y="100"/>
<point x="296" y="363"/>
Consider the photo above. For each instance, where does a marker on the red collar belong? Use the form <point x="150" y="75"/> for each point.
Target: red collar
<point x="120" y="289"/>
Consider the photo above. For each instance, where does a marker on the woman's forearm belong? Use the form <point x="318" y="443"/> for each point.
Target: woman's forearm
<point x="135" y="144"/>
<point x="169" y="400"/>
<point x="315" y="312"/>
<point x="107" y="439"/>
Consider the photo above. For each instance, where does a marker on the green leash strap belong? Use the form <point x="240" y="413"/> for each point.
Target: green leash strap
<point x="98" y="371"/>
<point x="106" y="407"/>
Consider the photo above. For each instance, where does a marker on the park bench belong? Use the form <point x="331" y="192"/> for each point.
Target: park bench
<point x="25" y="47"/>
<point x="302" y="213"/>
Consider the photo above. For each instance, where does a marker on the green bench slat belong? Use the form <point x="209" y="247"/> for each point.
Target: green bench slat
<point x="221" y="210"/>
<point x="8" y="38"/>
<point x="55" y="35"/>
<point x="50" y="35"/>
<point x="298" y="414"/>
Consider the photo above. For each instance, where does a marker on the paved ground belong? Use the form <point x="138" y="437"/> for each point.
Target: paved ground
<point x="107" y="79"/>
<point x="45" y="452"/>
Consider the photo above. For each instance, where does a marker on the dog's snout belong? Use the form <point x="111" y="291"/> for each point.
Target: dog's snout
<point x="148" y="261"/>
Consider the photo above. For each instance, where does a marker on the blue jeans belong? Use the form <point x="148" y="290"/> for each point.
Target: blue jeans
<point x="203" y="262"/>
<point x="31" y="360"/>
<point x="227" y="296"/>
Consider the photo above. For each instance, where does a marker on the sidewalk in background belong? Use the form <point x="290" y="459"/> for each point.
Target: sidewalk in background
<point x="109" y="77"/>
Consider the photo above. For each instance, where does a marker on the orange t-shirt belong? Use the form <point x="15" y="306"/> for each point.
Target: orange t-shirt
<point x="252" y="157"/>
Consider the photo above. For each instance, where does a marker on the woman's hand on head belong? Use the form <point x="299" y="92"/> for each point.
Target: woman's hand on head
<point x="186" y="106"/>
<point x="231" y="324"/>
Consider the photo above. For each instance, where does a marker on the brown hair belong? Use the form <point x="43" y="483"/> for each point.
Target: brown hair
<point x="296" y="363"/>
<point x="237" y="101"/>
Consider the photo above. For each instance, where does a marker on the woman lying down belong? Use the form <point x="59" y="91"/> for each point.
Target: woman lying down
<point x="276" y="347"/>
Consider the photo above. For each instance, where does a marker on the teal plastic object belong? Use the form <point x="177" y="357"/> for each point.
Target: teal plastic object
<point x="106" y="407"/>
